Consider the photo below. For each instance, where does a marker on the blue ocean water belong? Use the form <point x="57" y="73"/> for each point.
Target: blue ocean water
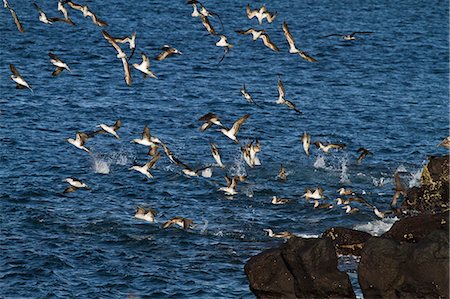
<point x="387" y="91"/>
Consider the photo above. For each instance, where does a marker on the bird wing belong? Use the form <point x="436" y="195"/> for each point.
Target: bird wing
<point x="208" y="116"/>
<point x="268" y="43"/>
<point x="152" y="162"/>
<point x="306" y="56"/>
<point x="110" y="39"/>
<point x="146" y="133"/>
<point x="117" y="125"/>
<point x="169" y="223"/>
<point x="162" y="56"/>
<point x="280" y="88"/>
<point x="251" y="13"/>
<point x="57" y="71"/>
<point x="70" y="189"/>
<point x="14" y="70"/>
<point x="127" y="71"/>
<point x="288" y="36"/>
<point x="245" y="32"/>
<point x="208" y="25"/>
<point x="53" y="56"/>
<point x="336" y="145"/>
<point x="75" y="5"/>
<point x="39" y="9"/>
<point x="16" y="19"/>
<point x="145" y="60"/>
<point x="237" y="125"/>
<point x="292" y="106"/>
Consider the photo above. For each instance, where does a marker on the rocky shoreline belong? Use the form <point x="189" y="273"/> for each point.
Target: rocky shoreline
<point x="411" y="260"/>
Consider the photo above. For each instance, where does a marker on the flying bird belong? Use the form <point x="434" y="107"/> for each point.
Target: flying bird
<point x="208" y="120"/>
<point x="131" y="40"/>
<point x="42" y="16"/>
<point x="350" y="36"/>
<point x="261" y="14"/>
<point x="80" y="140"/>
<point x="230" y="189"/>
<point x="306" y="142"/>
<point x="282" y="100"/>
<point x="223" y="42"/>
<point x="364" y="152"/>
<point x="255" y="33"/>
<point x="268" y="43"/>
<point x="147" y="139"/>
<point x="235" y="128"/>
<point x="146" y="167"/>
<point x="110" y="129"/>
<point x="247" y="96"/>
<point x="75" y="184"/>
<point x="292" y="48"/>
<point x="16" y="77"/>
<point x="167" y="52"/>
<point x="260" y="34"/>
<point x="207" y="24"/>
<point x="14" y="16"/>
<point x="60" y="65"/>
<point x="326" y="148"/>
<point x="121" y="55"/>
<point x="144" y="67"/>
<point x="216" y="155"/>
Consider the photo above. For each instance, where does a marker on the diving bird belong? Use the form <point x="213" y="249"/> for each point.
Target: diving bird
<point x="203" y="11"/>
<point x="216" y="155"/>
<point x="167" y="51"/>
<point x="223" y="42"/>
<point x="231" y="133"/>
<point x="131" y="40"/>
<point x="14" y="16"/>
<point x="350" y="36"/>
<point x="42" y="16"/>
<point x="282" y="175"/>
<point x="205" y="171"/>
<point x="247" y="96"/>
<point x="230" y="189"/>
<point x="399" y="189"/>
<point x="75" y="184"/>
<point x="261" y="14"/>
<point x="144" y="67"/>
<point x="79" y="141"/>
<point x="306" y="142"/>
<point x="326" y="148"/>
<point x="364" y="152"/>
<point x="249" y="152"/>
<point x="208" y="120"/>
<point x="60" y="65"/>
<point x="260" y="34"/>
<point x="111" y="129"/>
<point x="282" y="100"/>
<point x="292" y="48"/>
<point x="121" y="55"/>
<point x="268" y="43"/>
<point x="146" y="167"/>
<point x="445" y="143"/>
<point x="147" y="215"/>
<point x="147" y="139"/>
<point x="16" y="77"/>
<point x="180" y="221"/>
<point x="279" y="201"/>
<point x="282" y="235"/>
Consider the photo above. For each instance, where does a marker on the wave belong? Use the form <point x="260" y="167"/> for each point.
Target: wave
<point x="376" y="227"/>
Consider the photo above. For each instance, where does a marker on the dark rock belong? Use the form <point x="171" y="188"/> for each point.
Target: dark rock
<point x="416" y="228"/>
<point x="347" y="241"/>
<point x="393" y="269"/>
<point x="433" y="193"/>
<point x="300" y="268"/>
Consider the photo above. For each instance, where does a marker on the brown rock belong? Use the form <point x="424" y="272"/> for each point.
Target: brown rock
<point x="347" y="241"/>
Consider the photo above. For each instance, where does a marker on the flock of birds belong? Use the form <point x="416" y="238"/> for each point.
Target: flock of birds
<point x="249" y="151"/>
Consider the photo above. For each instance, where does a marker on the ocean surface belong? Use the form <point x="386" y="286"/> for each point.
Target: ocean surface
<point x="387" y="91"/>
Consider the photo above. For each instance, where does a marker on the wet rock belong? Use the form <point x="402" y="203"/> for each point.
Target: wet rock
<point x="433" y="193"/>
<point x="347" y="241"/>
<point x="393" y="269"/>
<point x="300" y="268"/>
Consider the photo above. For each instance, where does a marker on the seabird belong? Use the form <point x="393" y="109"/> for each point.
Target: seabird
<point x="350" y="36"/>
<point x="143" y="214"/>
<point x="292" y="48"/>
<point x="247" y="96"/>
<point x="147" y="139"/>
<point x="216" y="155"/>
<point x="180" y="221"/>
<point x="204" y="171"/>
<point x="445" y="143"/>
<point x="111" y="129"/>
<point x="209" y="119"/>
<point x="79" y="141"/>
<point x="340" y="201"/>
<point x="260" y="14"/>
<point x="350" y="210"/>
<point x="167" y="52"/>
<point x="230" y="189"/>
<point x="223" y="42"/>
<point x="326" y="148"/>
<point x="282" y="173"/>
<point x="254" y="149"/>
<point x="60" y="65"/>
<point x="171" y="156"/>
<point x="279" y="201"/>
<point x="306" y="141"/>
<point x="317" y="194"/>
<point x="318" y="205"/>
<point x="144" y="67"/>
<point x="75" y="184"/>
<point x="146" y="167"/>
<point x="255" y="33"/>
<point x="207" y="24"/>
<point x="203" y="11"/>
<point x="16" y="77"/>
<point x="121" y="55"/>
<point x="62" y="9"/>
<point x="260" y="34"/>
<point x="94" y="18"/>
<point x="14" y="15"/>
<point x="364" y="152"/>
<point x="42" y="16"/>
<point x="399" y="190"/>
<point x="235" y="128"/>
<point x="131" y="40"/>
<point x="282" y="235"/>
<point x="343" y="191"/>
<point x="282" y="100"/>
<point x="153" y="150"/>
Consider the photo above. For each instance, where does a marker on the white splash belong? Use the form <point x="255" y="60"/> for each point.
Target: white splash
<point x="101" y="166"/>
<point x="376" y="227"/>
<point x="238" y="167"/>
<point x="320" y="162"/>
<point x="344" y="172"/>
<point x="204" y="228"/>
<point x="121" y="159"/>
<point x="378" y="182"/>
<point x="401" y="168"/>
<point x="415" y="178"/>
<point x="307" y="236"/>
<point x="207" y="173"/>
